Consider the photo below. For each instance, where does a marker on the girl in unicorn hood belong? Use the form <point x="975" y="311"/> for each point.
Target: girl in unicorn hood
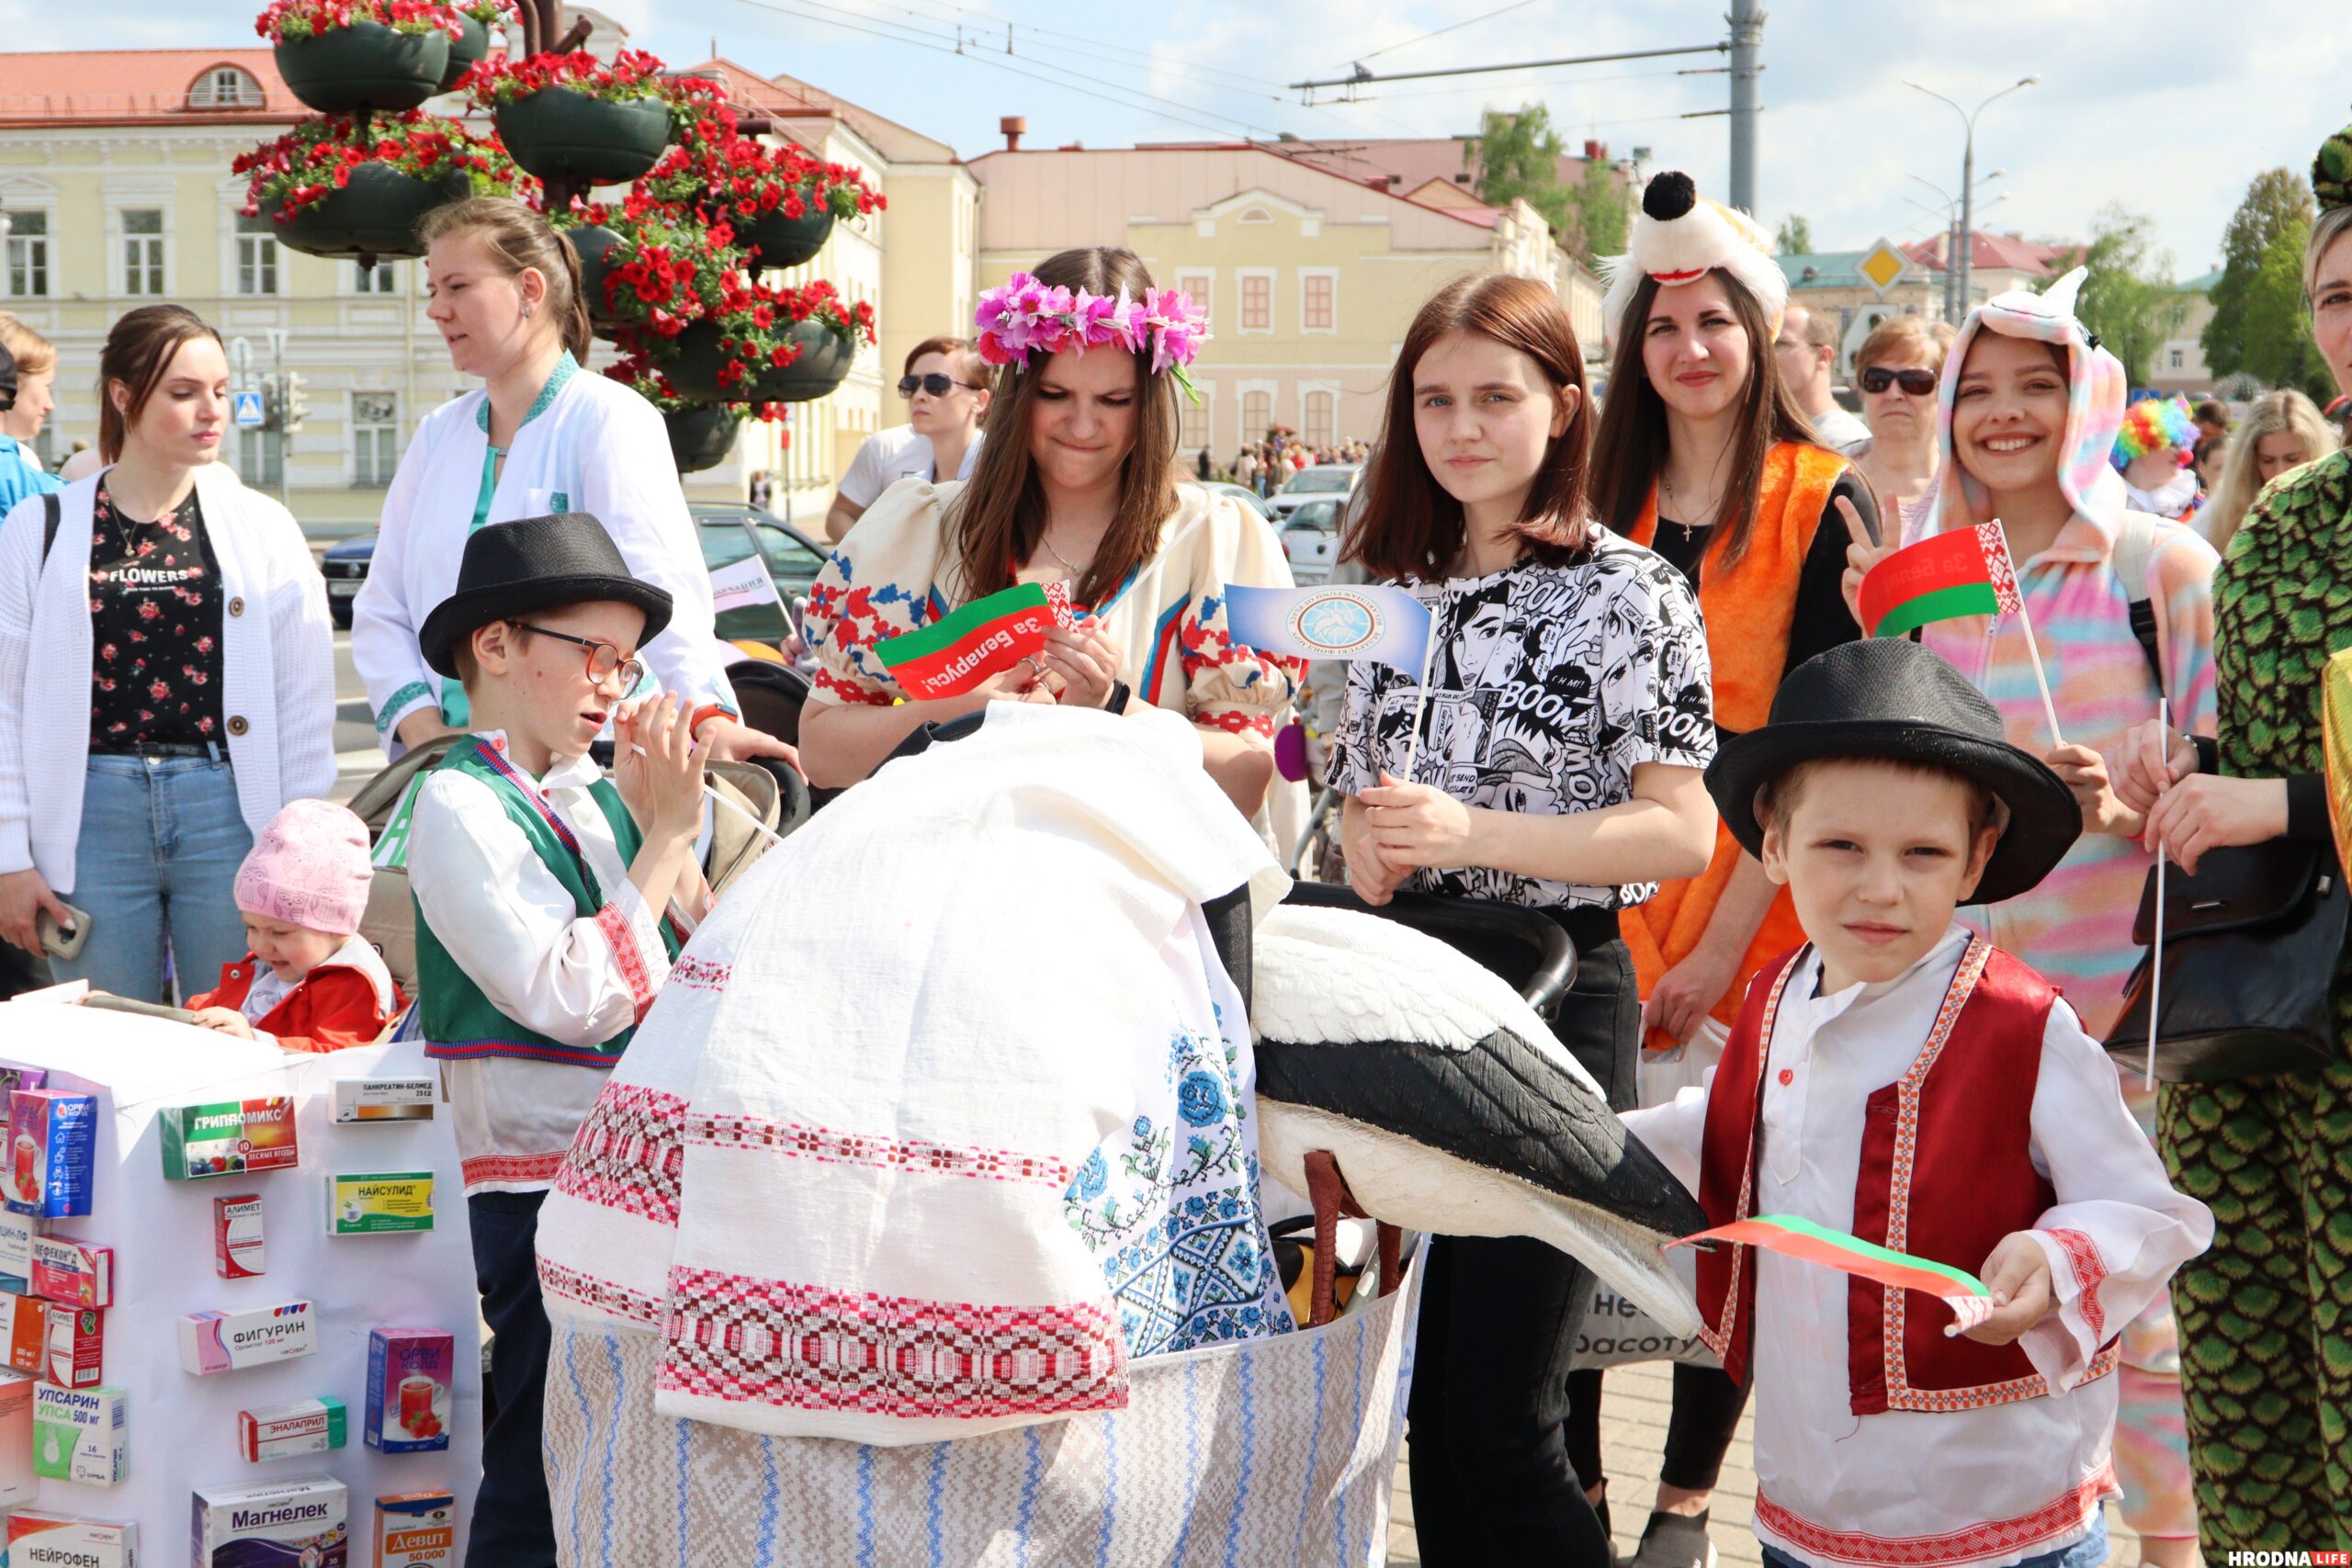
<point x="2029" y="410"/>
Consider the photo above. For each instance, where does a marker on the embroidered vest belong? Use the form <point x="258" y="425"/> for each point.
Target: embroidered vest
<point x="1748" y="611"/>
<point x="459" y="1021"/>
<point x="1958" y="1127"/>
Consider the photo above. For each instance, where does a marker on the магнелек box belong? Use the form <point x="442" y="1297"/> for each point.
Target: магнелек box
<point x="248" y="1336"/>
<point x="294" y="1521"/>
<point x="78" y="1435"/>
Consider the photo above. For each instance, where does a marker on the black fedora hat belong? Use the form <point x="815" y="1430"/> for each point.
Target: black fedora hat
<point x="513" y="569"/>
<point x="1889" y="698"/>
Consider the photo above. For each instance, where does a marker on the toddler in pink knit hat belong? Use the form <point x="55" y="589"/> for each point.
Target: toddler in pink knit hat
<point x="311" y="983"/>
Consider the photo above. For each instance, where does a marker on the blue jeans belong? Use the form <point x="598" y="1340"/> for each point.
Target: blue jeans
<point x="2088" y="1553"/>
<point x="161" y="839"/>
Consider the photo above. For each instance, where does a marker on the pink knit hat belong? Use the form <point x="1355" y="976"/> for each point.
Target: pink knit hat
<point x="309" y="868"/>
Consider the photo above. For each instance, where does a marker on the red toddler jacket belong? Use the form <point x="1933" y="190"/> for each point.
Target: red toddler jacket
<point x="337" y="1006"/>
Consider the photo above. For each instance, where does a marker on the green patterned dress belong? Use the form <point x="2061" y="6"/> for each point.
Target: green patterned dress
<point x="2266" y="1314"/>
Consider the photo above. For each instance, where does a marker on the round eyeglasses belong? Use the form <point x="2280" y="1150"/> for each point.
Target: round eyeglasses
<point x="604" y="659"/>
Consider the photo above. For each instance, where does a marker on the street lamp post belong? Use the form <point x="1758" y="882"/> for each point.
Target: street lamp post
<point x="1968" y="176"/>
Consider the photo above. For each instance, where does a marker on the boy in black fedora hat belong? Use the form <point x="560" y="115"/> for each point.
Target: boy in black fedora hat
<point x="541" y="895"/>
<point x="1900" y="1078"/>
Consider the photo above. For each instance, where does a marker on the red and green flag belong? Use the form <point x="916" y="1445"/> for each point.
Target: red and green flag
<point x="958" y="651"/>
<point x="1791" y="1236"/>
<point x="1966" y="571"/>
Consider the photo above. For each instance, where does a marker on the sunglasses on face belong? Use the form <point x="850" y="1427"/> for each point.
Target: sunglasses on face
<point x="936" y="384"/>
<point x="604" y="659"/>
<point x="1918" y="383"/>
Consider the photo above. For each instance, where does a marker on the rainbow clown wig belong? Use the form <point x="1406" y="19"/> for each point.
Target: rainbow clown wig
<point x="2156" y="424"/>
<point x="1678" y="237"/>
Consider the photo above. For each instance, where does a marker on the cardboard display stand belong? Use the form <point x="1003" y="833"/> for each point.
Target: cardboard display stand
<point x="182" y="1429"/>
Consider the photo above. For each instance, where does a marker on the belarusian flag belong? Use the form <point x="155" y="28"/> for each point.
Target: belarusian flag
<point x="1791" y="1236"/>
<point x="958" y="651"/>
<point x="1964" y="572"/>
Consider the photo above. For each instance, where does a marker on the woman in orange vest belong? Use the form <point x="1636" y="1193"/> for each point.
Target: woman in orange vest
<point x="1703" y="455"/>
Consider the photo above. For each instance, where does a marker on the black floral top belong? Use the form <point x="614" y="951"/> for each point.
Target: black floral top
<point x="155" y="655"/>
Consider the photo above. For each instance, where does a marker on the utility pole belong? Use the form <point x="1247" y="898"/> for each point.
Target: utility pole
<point x="1966" y="248"/>
<point x="1747" y="37"/>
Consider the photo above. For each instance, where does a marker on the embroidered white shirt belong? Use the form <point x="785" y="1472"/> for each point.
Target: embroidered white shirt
<point x="1987" y="1486"/>
<point x="514" y="931"/>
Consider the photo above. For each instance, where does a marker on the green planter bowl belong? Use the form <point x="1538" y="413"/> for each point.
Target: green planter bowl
<point x="824" y="363"/>
<point x="364" y="66"/>
<point x="559" y="133"/>
<point x="375" y="216"/>
<point x="701" y="438"/>
<point x="592" y="243"/>
<point x="465" y="51"/>
<point x="772" y="240"/>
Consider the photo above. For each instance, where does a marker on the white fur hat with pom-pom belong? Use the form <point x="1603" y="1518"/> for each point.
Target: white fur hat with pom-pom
<point x="1680" y="237"/>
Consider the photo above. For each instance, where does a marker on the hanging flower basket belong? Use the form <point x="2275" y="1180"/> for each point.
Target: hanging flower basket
<point x="571" y="116"/>
<point x="701" y="437"/>
<point x="773" y="240"/>
<point x="712" y="363"/>
<point x="477" y="19"/>
<point x="595" y="246"/>
<point x="336" y="186"/>
<point x="780" y="202"/>
<point x="374" y="217"/>
<point x="342" y="56"/>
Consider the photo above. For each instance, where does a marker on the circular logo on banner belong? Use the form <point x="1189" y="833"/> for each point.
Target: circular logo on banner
<point x="1340" y="624"/>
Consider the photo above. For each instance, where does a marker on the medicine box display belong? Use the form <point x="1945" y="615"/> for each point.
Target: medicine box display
<point x="37" y="1538"/>
<point x="289" y="1522"/>
<point x="76" y="1347"/>
<point x="15" y="1075"/>
<point x="379" y="1202"/>
<point x="409" y="1380"/>
<point x="282" y="1432"/>
<point x="25" y="1320"/>
<point x="73" y="1272"/>
<point x="19" y="1483"/>
<point x="249" y="1337"/>
<point x="237" y="1237"/>
<point x="52" y="1144"/>
<point x="416" y="1529"/>
<point x="79" y="1435"/>
<point x="362" y="1100"/>
<point x="229" y="1137"/>
<point x="16" y="1233"/>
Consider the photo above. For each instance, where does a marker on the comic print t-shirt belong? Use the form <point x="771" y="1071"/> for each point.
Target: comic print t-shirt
<point x="1548" y="687"/>
<point x="155" y="658"/>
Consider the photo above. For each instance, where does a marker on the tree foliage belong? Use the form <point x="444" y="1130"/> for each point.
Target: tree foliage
<point x="2277" y="347"/>
<point x="2129" y="298"/>
<point x="1795" y="238"/>
<point x="2275" y="202"/>
<point x="1517" y="155"/>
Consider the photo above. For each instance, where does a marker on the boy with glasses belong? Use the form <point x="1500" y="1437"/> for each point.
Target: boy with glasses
<point x="947" y="388"/>
<point x="541" y="894"/>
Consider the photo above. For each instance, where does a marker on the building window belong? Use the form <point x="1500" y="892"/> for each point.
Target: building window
<point x="1255" y="215"/>
<point x="1316" y="429"/>
<point x="257" y="264"/>
<point x="142" y="251"/>
<point x="2176" y="359"/>
<point x="381" y="278"/>
<point x="1195" y="432"/>
<point x="28" y="254"/>
<point x="225" y="88"/>
<point x="1257" y="302"/>
<point x="261" y="458"/>
<point x="375" y="438"/>
<point x="1197" y="286"/>
<point x="1257" y="416"/>
<point x="1316" y="309"/>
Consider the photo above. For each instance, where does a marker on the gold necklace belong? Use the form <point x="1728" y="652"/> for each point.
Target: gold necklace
<point x="1666" y="490"/>
<point x="1047" y="545"/>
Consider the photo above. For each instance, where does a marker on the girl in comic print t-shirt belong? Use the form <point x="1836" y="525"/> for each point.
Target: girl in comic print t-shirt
<point x="1548" y="686"/>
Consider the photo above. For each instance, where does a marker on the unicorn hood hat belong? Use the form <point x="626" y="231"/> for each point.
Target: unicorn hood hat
<point x="1678" y="237"/>
<point x="2094" y="386"/>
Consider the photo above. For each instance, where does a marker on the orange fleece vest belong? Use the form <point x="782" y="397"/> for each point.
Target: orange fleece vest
<point x="1748" y="610"/>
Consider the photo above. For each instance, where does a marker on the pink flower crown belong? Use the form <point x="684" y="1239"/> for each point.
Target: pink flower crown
<point x="1022" y="316"/>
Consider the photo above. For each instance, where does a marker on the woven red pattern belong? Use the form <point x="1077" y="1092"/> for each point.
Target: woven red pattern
<point x="835" y="1148"/>
<point x="570" y="1284"/>
<point x="627" y="1155"/>
<point x="1994" y="1538"/>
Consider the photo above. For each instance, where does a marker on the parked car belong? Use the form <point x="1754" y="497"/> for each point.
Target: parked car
<point x="1311" y="540"/>
<point x="729" y="534"/>
<point x="1246" y="496"/>
<point x="1323" y="480"/>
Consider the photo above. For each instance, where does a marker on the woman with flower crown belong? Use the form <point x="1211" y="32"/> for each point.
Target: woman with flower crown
<point x="1077" y="486"/>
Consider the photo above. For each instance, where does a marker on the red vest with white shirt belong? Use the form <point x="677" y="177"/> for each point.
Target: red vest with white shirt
<point x="1946" y="1172"/>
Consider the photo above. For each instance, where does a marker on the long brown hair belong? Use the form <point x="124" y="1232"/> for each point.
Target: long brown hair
<point x="1406" y="523"/>
<point x="516" y="238"/>
<point x="995" y="523"/>
<point x="139" y="350"/>
<point x="1629" y="453"/>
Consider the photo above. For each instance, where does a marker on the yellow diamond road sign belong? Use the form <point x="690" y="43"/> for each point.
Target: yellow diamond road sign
<point x="1882" y="267"/>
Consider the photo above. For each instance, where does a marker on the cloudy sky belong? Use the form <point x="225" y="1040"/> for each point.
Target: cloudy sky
<point x="2167" y="107"/>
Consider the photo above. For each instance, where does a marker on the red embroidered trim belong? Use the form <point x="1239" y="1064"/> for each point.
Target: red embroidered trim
<point x="1719" y="1338"/>
<point x="486" y="1168"/>
<point x="555" y="1280"/>
<point x="848" y="690"/>
<point x="623" y="941"/>
<point x="627" y="1154"/>
<point x="884" y="1154"/>
<point x="2027" y="1532"/>
<point x="2090" y="1271"/>
<point x="1238" y="721"/>
<point x="700" y="974"/>
<point x="806" y="1347"/>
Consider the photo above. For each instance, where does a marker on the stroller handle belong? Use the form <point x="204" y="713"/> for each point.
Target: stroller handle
<point x="1486" y="919"/>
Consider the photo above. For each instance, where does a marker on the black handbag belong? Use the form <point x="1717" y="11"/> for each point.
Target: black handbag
<point x="2252" y="942"/>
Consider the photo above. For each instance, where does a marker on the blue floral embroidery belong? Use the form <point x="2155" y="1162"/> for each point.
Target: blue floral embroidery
<point x="1093" y="1177"/>
<point x="1200" y="1098"/>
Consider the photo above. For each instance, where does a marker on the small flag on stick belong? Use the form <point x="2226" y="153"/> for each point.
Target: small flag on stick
<point x="960" y="650"/>
<point x="1966" y="571"/>
<point x="1969" y="1299"/>
<point x="1375" y="620"/>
